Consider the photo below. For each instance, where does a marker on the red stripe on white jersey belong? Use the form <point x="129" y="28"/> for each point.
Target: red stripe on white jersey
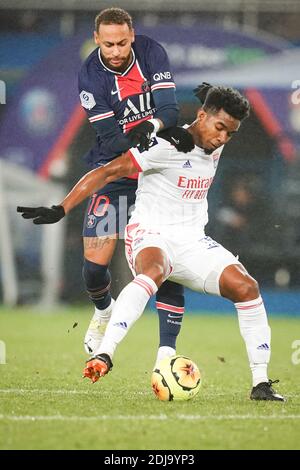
<point x="129" y="229"/>
<point x="170" y="308"/>
<point x="136" y="164"/>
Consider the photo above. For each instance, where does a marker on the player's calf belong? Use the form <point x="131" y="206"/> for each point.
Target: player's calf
<point x="237" y="285"/>
<point x="170" y="308"/>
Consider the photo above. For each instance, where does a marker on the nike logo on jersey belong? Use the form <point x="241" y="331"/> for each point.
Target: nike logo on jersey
<point x="174" y="140"/>
<point x="114" y="92"/>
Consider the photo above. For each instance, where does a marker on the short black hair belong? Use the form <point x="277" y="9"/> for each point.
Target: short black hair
<point x="113" y="16"/>
<point x="229" y="99"/>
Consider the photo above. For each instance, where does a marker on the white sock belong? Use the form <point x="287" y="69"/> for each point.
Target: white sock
<point x="128" y="308"/>
<point x="256" y="333"/>
<point x="164" y="351"/>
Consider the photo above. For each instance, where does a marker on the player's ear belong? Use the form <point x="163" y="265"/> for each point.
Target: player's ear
<point x="132" y="36"/>
<point x="96" y="38"/>
<point x="201" y="114"/>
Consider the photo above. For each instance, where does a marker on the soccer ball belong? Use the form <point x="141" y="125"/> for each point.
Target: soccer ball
<point x="176" y="378"/>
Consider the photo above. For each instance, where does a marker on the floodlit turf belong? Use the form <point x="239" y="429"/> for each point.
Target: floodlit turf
<point x="45" y="404"/>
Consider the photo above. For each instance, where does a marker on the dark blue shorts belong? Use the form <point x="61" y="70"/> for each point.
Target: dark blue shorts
<point x="109" y="209"/>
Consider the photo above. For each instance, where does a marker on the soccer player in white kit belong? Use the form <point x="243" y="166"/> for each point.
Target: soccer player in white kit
<point x="165" y="237"/>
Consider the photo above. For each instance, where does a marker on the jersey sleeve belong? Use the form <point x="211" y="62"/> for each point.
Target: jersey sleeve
<point x="158" y="157"/>
<point x="159" y="68"/>
<point x="95" y="105"/>
<point x="162" y="85"/>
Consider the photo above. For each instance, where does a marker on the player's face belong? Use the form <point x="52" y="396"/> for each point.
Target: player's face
<point x="215" y="130"/>
<point x="115" y="42"/>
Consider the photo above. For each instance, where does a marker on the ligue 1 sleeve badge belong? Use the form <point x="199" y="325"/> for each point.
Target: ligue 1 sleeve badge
<point x="87" y="99"/>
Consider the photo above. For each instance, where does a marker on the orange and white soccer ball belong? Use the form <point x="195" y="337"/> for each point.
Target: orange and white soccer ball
<point x="176" y="378"/>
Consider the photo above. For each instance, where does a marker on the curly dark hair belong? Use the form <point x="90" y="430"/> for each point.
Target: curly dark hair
<point x="113" y="16"/>
<point x="214" y="98"/>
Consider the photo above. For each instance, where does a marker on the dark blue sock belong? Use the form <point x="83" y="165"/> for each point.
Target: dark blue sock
<point x="97" y="280"/>
<point x="170" y="308"/>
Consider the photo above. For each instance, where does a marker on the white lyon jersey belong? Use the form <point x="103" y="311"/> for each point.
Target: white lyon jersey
<point x="171" y="213"/>
<point x="172" y="190"/>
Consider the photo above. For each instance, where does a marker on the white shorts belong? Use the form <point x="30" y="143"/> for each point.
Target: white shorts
<point x="196" y="264"/>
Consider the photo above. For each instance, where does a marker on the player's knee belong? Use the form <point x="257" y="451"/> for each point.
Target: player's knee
<point x="246" y="289"/>
<point x="95" y="273"/>
<point x="156" y="272"/>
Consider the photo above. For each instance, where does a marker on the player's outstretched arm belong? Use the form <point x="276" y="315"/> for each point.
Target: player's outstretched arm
<point x="97" y="179"/>
<point x="86" y="186"/>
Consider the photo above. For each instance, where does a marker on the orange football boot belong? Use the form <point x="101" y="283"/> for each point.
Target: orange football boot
<point x="97" y="367"/>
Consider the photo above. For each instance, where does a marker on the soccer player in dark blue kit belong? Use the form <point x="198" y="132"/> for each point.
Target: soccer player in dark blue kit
<point x="128" y="92"/>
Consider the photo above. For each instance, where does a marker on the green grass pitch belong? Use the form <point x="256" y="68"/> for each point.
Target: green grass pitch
<point x="45" y="404"/>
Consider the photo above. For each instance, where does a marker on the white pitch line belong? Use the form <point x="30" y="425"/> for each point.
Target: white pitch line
<point x="160" y="417"/>
<point x="85" y="418"/>
<point x="22" y="391"/>
<point x="237" y="417"/>
<point x="94" y="392"/>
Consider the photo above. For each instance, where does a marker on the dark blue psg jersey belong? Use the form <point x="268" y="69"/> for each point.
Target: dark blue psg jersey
<point x="115" y="102"/>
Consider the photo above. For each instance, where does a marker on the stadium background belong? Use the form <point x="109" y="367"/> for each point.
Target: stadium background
<point x="253" y="45"/>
